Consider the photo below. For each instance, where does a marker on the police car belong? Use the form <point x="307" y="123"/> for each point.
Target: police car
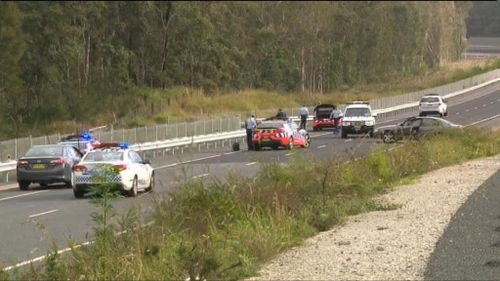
<point x="113" y="163"/>
<point x="358" y="119"/>
<point x="84" y="141"/>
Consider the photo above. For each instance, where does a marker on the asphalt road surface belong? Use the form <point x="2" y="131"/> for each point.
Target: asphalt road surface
<point x="31" y="219"/>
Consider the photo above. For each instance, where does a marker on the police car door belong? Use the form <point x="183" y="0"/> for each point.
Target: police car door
<point x="140" y="168"/>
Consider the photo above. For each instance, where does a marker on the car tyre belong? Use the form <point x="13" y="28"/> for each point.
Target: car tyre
<point x="135" y="188"/>
<point x="78" y="193"/>
<point x="446" y="113"/>
<point x="151" y="186"/>
<point x="343" y="134"/>
<point x="307" y="141"/>
<point x="388" y="137"/>
<point x="24" y="185"/>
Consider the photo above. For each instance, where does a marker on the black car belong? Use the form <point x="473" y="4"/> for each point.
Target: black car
<point x="46" y="164"/>
<point x="413" y="128"/>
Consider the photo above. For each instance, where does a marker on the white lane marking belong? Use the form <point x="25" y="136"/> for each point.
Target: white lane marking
<point x="321" y="146"/>
<point x="251" y="163"/>
<point x="291" y="153"/>
<point x="44" y="213"/>
<point x="189" y="161"/>
<point x="348" y="140"/>
<point x="25" y="194"/>
<point x="475" y="107"/>
<point x="484" y="105"/>
<point x="458" y="113"/>
<point x="233" y="152"/>
<point x="200" y="176"/>
<point x="466" y="110"/>
<point x="483" y="120"/>
<point x="492" y="102"/>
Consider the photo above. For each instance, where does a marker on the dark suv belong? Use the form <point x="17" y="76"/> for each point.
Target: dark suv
<point x="46" y="164"/>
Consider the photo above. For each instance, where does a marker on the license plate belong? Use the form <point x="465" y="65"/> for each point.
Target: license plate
<point x="357" y="127"/>
<point x="38" y="166"/>
<point x="265" y="139"/>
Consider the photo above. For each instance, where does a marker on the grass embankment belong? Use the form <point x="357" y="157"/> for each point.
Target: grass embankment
<point x="181" y="104"/>
<point x="226" y="231"/>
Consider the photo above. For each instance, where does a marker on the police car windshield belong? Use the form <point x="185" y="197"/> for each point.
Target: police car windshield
<point x="104" y="155"/>
<point x="362" y="111"/>
<point x="37" y="151"/>
<point x="270" y="125"/>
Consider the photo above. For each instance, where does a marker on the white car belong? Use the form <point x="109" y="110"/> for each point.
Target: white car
<point x="432" y="104"/>
<point x="358" y="119"/>
<point x="113" y="163"/>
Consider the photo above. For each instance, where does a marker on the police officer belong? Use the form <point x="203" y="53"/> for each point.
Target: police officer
<point x="336" y="115"/>
<point x="250" y="124"/>
<point x="304" y="113"/>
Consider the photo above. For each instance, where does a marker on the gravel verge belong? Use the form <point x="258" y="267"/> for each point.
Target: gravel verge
<point x="386" y="245"/>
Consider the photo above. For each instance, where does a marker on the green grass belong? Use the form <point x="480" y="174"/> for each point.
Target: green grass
<point x="227" y="230"/>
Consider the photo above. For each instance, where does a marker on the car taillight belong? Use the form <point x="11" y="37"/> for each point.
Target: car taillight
<point x="119" y="167"/>
<point x="79" y="168"/>
<point x="22" y="163"/>
<point x="58" y="161"/>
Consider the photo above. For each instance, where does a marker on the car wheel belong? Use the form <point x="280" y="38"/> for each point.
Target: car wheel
<point x="135" y="189"/>
<point x="24" y="185"/>
<point x="446" y="113"/>
<point x="388" y="137"/>
<point x="307" y="141"/>
<point x="371" y="134"/>
<point x="78" y="193"/>
<point x="151" y="186"/>
<point x="71" y="182"/>
<point x="344" y="134"/>
<point x="44" y="184"/>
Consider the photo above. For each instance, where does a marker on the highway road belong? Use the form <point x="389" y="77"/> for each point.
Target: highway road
<point x="63" y="217"/>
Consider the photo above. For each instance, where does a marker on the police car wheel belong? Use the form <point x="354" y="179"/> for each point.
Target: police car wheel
<point x="134" y="190"/>
<point x="24" y="185"/>
<point x="78" y="193"/>
<point x="307" y="141"/>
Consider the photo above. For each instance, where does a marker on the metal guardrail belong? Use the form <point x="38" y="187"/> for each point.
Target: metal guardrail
<point x="232" y="125"/>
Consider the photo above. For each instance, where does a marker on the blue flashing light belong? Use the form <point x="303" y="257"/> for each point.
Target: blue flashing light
<point x="124" y="145"/>
<point x="86" y="135"/>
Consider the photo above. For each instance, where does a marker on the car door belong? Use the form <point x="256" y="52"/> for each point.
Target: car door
<point x="410" y="127"/>
<point x="429" y="125"/>
<point x="141" y="169"/>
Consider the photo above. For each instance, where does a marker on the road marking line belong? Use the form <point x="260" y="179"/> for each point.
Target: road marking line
<point x="492" y="102"/>
<point x="484" y="105"/>
<point x="291" y="153"/>
<point x="466" y="110"/>
<point x="44" y="213"/>
<point x="200" y="176"/>
<point x="185" y="162"/>
<point x="483" y="120"/>
<point x="458" y="113"/>
<point x="251" y="163"/>
<point x="475" y="107"/>
<point x="25" y="194"/>
<point x="229" y="153"/>
<point x="321" y="146"/>
<point x="348" y="140"/>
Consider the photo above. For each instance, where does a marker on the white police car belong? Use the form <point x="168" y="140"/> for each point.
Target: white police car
<point x="113" y="163"/>
<point x="84" y="141"/>
<point x="358" y="119"/>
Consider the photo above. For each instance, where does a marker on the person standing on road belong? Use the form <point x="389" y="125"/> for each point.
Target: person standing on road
<point x="250" y="124"/>
<point x="336" y="115"/>
<point x="304" y="113"/>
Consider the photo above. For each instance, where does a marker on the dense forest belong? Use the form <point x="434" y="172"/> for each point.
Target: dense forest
<point x="73" y="60"/>
<point x="484" y="20"/>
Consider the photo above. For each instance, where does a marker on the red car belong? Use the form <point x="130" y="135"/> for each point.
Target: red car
<point x="278" y="133"/>
<point x="322" y="118"/>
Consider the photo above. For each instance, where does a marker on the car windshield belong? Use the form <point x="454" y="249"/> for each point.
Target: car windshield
<point x="362" y="111"/>
<point x="430" y="99"/>
<point x="103" y="155"/>
<point x="37" y="151"/>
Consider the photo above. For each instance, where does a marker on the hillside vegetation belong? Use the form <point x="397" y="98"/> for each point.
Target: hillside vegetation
<point x="84" y="63"/>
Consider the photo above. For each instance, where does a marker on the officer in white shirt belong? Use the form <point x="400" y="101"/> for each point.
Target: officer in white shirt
<point x="304" y="113"/>
<point x="250" y="125"/>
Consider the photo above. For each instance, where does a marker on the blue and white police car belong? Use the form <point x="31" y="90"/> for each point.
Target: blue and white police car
<point x="84" y="141"/>
<point x="113" y="163"/>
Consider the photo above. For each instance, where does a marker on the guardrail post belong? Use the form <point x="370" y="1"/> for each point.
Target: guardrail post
<point x="186" y="129"/>
<point x="220" y="124"/>
<point x="204" y="127"/>
<point x="123" y="134"/>
<point x="31" y="141"/>
<point x="156" y="133"/>
<point x="15" y="149"/>
<point x="146" y="133"/>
